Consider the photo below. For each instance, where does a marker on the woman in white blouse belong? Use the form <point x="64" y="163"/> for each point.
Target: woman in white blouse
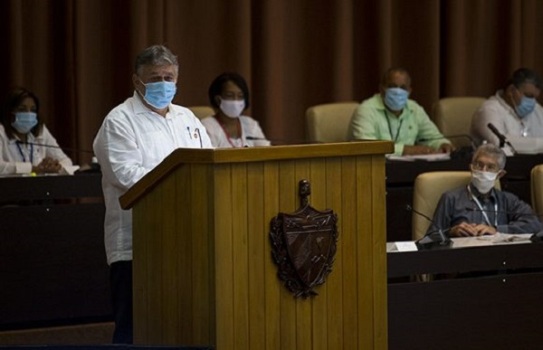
<point x="26" y="145"/>
<point x="228" y="128"/>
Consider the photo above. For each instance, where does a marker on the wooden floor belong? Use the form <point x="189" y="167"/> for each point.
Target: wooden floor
<point x="87" y="334"/>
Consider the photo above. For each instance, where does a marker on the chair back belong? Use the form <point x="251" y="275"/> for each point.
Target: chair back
<point x="202" y="111"/>
<point x="427" y="191"/>
<point x="452" y="116"/>
<point x="329" y="122"/>
<point x="536" y="179"/>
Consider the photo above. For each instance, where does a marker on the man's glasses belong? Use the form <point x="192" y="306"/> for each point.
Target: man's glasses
<point x="485" y="167"/>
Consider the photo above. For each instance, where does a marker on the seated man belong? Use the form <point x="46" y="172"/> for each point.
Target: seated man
<point x="513" y="110"/>
<point x="480" y="209"/>
<point x="390" y="115"/>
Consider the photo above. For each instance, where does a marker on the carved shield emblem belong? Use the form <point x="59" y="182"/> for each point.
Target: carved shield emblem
<point x="304" y="245"/>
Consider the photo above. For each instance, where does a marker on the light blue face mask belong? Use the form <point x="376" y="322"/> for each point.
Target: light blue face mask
<point x="160" y="94"/>
<point x="525" y="107"/>
<point x="396" y="98"/>
<point x="25" y="121"/>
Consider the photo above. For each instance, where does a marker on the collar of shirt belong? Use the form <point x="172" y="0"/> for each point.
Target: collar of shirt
<point x="381" y="106"/>
<point x="29" y="138"/>
<point x="483" y="198"/>
<point x="504" y="104"/>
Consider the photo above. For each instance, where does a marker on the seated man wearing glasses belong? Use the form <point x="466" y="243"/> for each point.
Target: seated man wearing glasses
<point x="480" y="209"/>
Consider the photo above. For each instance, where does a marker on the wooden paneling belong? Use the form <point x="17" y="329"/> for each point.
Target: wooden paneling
<point x="229" y="295"/>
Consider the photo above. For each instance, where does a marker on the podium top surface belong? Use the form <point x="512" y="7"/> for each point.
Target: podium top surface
<point x="250" y="154"/>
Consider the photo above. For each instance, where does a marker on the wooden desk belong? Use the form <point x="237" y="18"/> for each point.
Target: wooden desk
<point x="401" y="177"/>
<point x="499" y="309"/>
<point x="52" y="261"/>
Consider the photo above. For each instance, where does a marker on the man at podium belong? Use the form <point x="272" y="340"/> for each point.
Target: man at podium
<point x="134" y="138"/>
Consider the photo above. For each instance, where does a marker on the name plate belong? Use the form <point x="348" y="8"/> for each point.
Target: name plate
<point x="408" y="246"/>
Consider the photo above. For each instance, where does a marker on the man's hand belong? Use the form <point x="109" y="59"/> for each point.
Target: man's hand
<point x="47" y="165"/>
<point x="446" y="148"/>
<point x="465" y="229"/>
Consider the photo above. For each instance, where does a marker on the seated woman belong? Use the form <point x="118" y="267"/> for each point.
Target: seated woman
<point x="26" y="145"/>
<point x="229" y="97"/>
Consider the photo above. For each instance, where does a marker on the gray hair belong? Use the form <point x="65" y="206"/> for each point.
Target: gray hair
<point x="492" y="150"/>
<point x="525" y="76"/>
<point x="156" y="55"/>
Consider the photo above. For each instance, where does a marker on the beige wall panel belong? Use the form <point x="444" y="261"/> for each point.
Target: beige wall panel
<point x="348" y="215"/>
<point x="317" y="200"/>
<point x="258" y="256"/>
<point x="203" y="249"/>
<point x="287" y="304"/>
<point x="334" y="281"/>
<point x="273" y="289"/>
<point x="224" y="277"/>
<point x="240" y="214"/>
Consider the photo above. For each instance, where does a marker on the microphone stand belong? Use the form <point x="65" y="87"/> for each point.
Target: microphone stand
<point x="503" y="140"/>
<point x="433" y="240"/>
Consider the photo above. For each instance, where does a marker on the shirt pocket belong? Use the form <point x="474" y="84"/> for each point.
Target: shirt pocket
<point x="154" y="146"/>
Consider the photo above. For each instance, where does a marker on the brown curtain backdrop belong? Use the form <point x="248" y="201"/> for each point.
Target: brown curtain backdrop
<point x="78" y="56"/>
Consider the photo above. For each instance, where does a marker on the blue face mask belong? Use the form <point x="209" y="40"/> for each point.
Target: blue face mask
<point x="396" y="98"/>
<point x="159" y="94"/>
<point x="525" y="107"/>
<point x="25" y="121"/>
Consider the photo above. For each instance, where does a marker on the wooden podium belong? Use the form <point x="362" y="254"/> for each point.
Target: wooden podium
<point x="203" y="270"/>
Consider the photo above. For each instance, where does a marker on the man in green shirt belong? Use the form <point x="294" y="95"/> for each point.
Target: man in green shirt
<point x="390" y="115"/>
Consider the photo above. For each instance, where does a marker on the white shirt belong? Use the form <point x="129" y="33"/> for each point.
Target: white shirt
<point x="132" y="141"/>
<point x="17" y="158"/>
<point x="251" y="133"/>
<point x="496" y="111"/>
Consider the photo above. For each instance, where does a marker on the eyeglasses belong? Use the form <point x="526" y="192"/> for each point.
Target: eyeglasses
<point x="477" y="165"/>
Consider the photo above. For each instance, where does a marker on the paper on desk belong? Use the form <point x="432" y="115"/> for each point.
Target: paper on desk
<point x="427" y="157"/>
<point x="527" y="145"/>
<point x="68" y="170"/>
<point x="498" y="238"/>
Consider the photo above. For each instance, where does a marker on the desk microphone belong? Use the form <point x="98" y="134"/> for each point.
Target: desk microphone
<point x="501" y="137"/>
<point x="19" y="142"/>
<point x="433" y="239"/>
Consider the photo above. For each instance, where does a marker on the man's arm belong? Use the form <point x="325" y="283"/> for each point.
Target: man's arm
<point x="442" y="214"/>
<point x="428" y="131"/>
<point x="520" y="216"/>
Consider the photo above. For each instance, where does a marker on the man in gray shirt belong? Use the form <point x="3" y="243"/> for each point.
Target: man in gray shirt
<point x="480" y="209"/>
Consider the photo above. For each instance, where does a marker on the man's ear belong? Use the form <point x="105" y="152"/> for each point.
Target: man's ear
<point x="135" y="80"/>
<point x="501" y="174"/>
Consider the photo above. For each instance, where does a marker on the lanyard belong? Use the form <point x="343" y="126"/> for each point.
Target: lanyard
<point x="23" y="155"/>
<point x="238" y="126"/>
<point x="483" y="211"/>
<point x="394" y="138"/>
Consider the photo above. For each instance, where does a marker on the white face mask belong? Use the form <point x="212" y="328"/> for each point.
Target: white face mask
<point x="483" y="180"/>
<point x="232" y="108"/>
